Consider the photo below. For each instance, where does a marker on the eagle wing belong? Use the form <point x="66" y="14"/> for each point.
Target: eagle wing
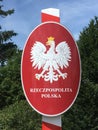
<point x="38" y="56"/>
<point x="63" y="54"/>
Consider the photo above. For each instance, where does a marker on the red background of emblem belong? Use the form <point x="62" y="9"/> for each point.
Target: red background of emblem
<point x="50" y="106"/>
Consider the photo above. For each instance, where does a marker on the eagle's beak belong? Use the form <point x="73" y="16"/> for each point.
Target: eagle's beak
<point x="48" y="43"/>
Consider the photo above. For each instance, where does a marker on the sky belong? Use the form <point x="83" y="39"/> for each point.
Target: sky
<point x="74" y="14"/>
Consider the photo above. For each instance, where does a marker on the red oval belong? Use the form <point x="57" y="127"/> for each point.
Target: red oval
<point x="50" y="98"/>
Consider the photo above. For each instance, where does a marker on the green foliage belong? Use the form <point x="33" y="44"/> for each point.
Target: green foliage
<point x="7" y="47"/>
<point x="88" y="44"/>
<point x="6" y="35"/>
<point x="6" y="52"/>
<point x="4" y="13"/>
<point x="83" y="114"/>
<point x="19" y="116"/>
<point x="10" y="57"/>
<point x="10" y="81"/>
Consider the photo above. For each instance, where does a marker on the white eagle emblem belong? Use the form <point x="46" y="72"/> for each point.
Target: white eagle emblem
<point x="51" y="61"/>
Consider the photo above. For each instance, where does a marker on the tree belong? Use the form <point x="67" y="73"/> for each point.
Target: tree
<point x="7" y="47"/>
<point x="83" y="114"/>
<point x="4" y="13"/>
<point x="88" y="44"/>
<point x="19" y="116"/>
<point x="10" y="59"/>
<point x="10" y="81"/>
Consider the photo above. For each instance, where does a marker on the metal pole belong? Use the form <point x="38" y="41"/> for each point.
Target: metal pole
<point x="51" y="123"/>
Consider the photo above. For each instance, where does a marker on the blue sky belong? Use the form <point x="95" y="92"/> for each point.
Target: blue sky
<point x="74" y="14"/>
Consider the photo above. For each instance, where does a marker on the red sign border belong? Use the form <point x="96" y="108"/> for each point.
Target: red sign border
<point x="79" y="78"/>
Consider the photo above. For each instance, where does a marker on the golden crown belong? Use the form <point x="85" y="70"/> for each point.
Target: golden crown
<point x="50" y="38"/>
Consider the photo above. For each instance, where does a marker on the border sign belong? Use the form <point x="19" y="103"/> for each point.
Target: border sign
<point x="50" y="69"/>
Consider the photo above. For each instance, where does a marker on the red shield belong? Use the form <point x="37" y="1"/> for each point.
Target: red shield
<point x="50" y="69"/>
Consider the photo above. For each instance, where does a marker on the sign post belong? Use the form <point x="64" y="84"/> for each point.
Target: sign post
<point x="51" y="123"/>
<point x="50" y="69"/>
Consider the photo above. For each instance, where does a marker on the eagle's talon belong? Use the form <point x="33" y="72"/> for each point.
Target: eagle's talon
<point x="63" y="75"/>
<point x="37" y="76"/>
